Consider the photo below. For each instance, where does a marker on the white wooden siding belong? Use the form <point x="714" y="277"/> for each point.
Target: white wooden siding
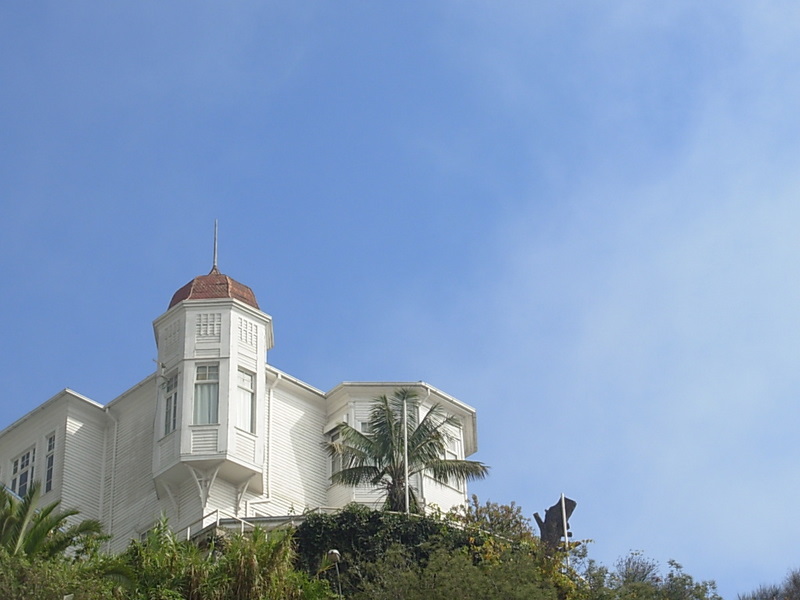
<point x="443" y="496"/>
<point x="340" y="495"/>
<point x="83" y="462"/>
<point x="222" y="497"/>
<point x="167" y="449"/>
<point x="245" y="446"/>
<point x="299" y="474"/>
<point x="132" y="502"/>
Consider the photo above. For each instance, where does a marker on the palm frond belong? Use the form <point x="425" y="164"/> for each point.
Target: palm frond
<point x="28" y="530"/>
<point x="354" y="476"/>
<point x="449" y="470"/>
<point x="377" y="457"/>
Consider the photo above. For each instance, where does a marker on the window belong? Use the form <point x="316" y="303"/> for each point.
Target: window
<point x="336" y="459"/>
<point x="145" y="533"/>
<point x="172" y="335"/>
<point x="246" y="411"/>
<point x="208" y="327"/>
<point x="22" y="472"/>
<point x="171" y="404"/>
<point x="248" y="332"/>
<point x="206" y="395"/>
<point x="50" y="460"/>
<point x="453" y="451"/>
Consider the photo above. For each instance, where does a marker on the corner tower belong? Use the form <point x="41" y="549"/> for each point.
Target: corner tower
<point x="212" y="345"/>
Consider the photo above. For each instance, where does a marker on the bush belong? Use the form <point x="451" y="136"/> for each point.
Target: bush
<point x="23" y="578"/>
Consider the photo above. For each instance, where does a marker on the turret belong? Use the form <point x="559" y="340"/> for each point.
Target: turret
<point x="212" y="345"/>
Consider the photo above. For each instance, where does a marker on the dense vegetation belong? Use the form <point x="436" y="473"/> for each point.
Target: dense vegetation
<point x="486" y="551"/>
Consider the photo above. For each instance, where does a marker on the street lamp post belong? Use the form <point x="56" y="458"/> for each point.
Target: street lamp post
<point x="334" y="556"/>
<point x="405" y="448"/>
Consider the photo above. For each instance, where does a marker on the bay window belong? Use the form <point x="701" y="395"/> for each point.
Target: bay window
<point x="206" y="395"/>
<point x="246" y="411"/>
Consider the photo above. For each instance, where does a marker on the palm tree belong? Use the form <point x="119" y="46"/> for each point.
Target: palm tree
<point x="28" y="530"/>
<point x="254" y="565"/>
<point x="376" y="456"/>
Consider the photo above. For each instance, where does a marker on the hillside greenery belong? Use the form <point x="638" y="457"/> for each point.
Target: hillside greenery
<point x="485" y="551"/>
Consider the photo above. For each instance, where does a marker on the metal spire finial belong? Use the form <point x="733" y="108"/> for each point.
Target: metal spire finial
<point x="214" y="266"/>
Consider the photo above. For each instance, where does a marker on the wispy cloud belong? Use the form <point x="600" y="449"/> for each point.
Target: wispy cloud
<point x="642" y="322"/>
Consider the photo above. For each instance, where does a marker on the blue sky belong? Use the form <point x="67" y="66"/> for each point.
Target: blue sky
<point x="578" y="217"/>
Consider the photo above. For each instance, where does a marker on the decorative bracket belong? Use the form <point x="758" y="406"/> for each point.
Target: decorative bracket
<point x="204" y="481"/>
<point x="162" y="487"/>
<point x="241" y="491"/>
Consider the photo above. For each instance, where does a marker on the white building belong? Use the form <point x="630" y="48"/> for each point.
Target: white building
<point x="214" y="432"/>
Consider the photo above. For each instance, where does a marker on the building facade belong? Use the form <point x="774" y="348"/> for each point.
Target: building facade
<point x="215" y="432"/>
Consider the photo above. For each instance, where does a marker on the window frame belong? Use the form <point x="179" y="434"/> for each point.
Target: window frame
<point x="27" y="470"/>
<point x="246" y="395"/>
<point x="453" y="450"/>
<point x="171" y="386"/>
<point x="208" y="383"/>
<point x="335" y="462"/>
<point x="50" y="462"/>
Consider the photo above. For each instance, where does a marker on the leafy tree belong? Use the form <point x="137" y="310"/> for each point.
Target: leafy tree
<point x="504" y="520"/>
<point x="764" y="592"/>
<point x="363" y="535"/>
<point x="452" y="574"/>
<point x="789" y="589"/>
<point x="639" y="578"/>
<point x="678" y="585"/>
<point x="31" y="531"/>
<point x="376" y="457"/>
<point x="636" y="568"/>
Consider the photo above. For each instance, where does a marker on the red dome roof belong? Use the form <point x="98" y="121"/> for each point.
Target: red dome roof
<point x="214" y="285"/>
